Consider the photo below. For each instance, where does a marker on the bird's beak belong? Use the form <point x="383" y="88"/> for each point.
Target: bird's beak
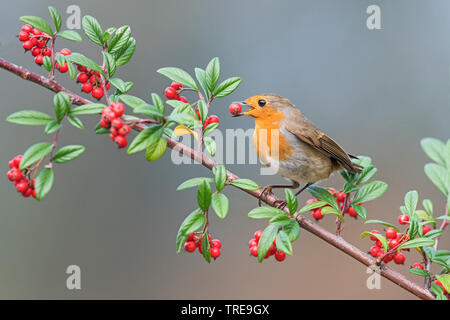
<point x="242" y="114"/>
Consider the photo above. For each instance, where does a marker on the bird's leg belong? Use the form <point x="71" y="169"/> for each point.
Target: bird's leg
<point x="303" y="189"/>
<point x="268" y="190"/>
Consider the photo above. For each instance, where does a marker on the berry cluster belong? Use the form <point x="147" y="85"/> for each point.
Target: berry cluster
<point x="172" y="93"/>
<point x="193" y="242"/>
<point x="35" y="41"/>
<point x="65" y="67"/>
<point x="340" y="198"/>
<point x="91" y="82"/>
<point x="112" y="119"/>
<point x="253" y="245"/>
<point x="23" y="184"/>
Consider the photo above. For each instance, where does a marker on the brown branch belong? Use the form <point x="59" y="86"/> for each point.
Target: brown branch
<point x="270" y="199"/>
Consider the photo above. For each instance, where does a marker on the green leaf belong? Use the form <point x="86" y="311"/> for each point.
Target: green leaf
<point x="383" y="223"/>
<point x="206" y="249"/>
<point x="56" y="17"/>
<point x="434" y="149"/>
<point x="291" y="200"/>
<point x="124" y="55"/>
<point x="210" y="128"/>
<point x="323" y="194"/>
<point x="212" y="73"/>
<point x="29" y="117"/>
<point x="419" y="272"/>
<point x="227" y="87"/>
<point x="443" y="218"/>
<point x="84" y="61"/>
<point x="108" y="33"/>
<point x="100" y="130"/>
<point x="292" y="230"/>
<point x="131" y="101"/>
<point x="194" y="182"/>
<point x="411" y="200"/>
<point x="149" y="110"/>
<point x="200" y="74"/>
<point x="110" y="65"/>
<point x="220" y="176"/>
<point x="283" y="243"/>
<point x="366" y="174"/>
<point x="434" y="234"/>
<point x="312" y="206"/>
<point x="361" y="211"/>
<point x="438" y="175"/>
<point x="428" y="206"/>
<point x="203" y="110"/>
<point x="190" y="224"/>
<point x="437" y="290"/>
<point x="44" y="182"/>
<point x="178" y="75"/>
<point x="157" y="102"/>
<point x="245" y="184"/>
<point x="38" y="23"/>
<point x="370" y="191"/>
<point x="92" y="108"/>
<point x="265" y="212"/>
<point x="118" y="84"/>
<point x="330" y="210"/>
<point x="52" y="127"/>
<point x="210" y="145"/>
<point x="93" y="30"/>
<point x="119" y="39"/>
<point x="76" y="122"/>
<point x="378" y="236"/>
<point x="68" y="153"/>
<point x="204" y="195"/>
<point x="266" y="240"/>
<point x="280" y="220"/>
<point x="145" y="139"/>
<point x="417" y="242"/>
<point x="62" y="104"/>
<point x="70" y="35"/>
<point x="445" y="280"/>
<point x="156" y="150"/>
<point x="220" y="204"/>
<point x="35" y="153"/>
<point x="47" y="62"/>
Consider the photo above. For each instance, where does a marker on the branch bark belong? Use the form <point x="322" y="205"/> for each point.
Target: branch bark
<point x="269" y="199"/>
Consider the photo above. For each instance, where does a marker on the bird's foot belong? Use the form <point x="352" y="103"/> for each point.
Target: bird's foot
<point x="266" y="191"/>
<point x="280" y="204"/>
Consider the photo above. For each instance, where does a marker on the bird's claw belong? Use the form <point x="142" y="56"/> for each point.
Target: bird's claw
<point x="280" y="204"/>
<point x="266" y="191"/>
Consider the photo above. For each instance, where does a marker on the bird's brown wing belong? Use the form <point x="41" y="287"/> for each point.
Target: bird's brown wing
<point x="321" y="142"/>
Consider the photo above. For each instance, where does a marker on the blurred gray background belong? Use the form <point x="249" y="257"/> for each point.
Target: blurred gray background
<point x="116" y="216"/>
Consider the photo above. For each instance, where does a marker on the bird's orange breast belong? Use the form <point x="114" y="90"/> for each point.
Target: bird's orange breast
<point x="268" y="139"/>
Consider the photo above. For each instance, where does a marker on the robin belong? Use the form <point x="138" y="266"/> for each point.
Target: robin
<point x="287" y="141"/>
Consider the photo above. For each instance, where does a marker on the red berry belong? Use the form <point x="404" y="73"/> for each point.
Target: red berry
<point x="27" y="28"/>
<point x="379" y="244"/>
<point x="399" y="258"/>
<point x="97" y="93"/>
<point x="27" y="192"/>
<point x="34" y="41"/>
<point x="388" y="258"/>
<point x="15" y="174"/>
<point x="104" y="123"/>
<point x="374" y="251"/>
<point x="17" y="159"/>
<point x="380" y="253"/>
<point x="41" y="43"/>
<point x="439" y="284"/>
<point x="271" y="250"/>
<point x="24" y="36"/>
<point x="235" y="108"/>
<point x="93" y="79"/>
<point x="33" y="193"/>
<point x="417" y="265"/>
<point x="86" y="87"/>
<point x="170" y="93"/>
<point x="309" y="201"/>
<point x="352" y="212"/>
<point x="425" y="229"/>
<point x="35" y="51"/>
<point x="191" y="237"/>
<point x="391" y="233"/>
<point x="254" y="251"/>
<point x="190" y="246"/>
<point x="216" y="243"/>
<point x="403" y="219"/>
<point x="27" y="45"/>
<point x="81" y="68"/>
<point x="22" y="185"/>
<point x="124" y="130"/>
<point x="215" y="252"/>
<point x="118" y="108"/>
<point x="82" y="77"/>
<point x="183" y="99"/>
<point x="107" y="86"/>
<point x="65" y="52"/>
<point x="117" y="123"/>
<point x="39" y="59"/>
<point x="252" y="243"/>
<point x="393" y="243"/>
<point x="121" y="141"/>
<point x="341" y="197"/>
<point x="11" y="164"/>
<point x="176" y="85"/>
<point x="46" y="52"/>
<point x="213" y="119"/>
<point x="280" y="255"/>
<point x="373" y="238"/>
<point x="317" y="214"/>
<point x="64" y="68"/>
<point x="36" y="32"/>
<point x="258" y="235"/>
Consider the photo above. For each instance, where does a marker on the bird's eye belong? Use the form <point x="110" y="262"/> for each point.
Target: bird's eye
<point x="261" y="103"/>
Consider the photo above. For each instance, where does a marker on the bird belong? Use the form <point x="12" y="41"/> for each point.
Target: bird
<point x="288" y="142"/>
